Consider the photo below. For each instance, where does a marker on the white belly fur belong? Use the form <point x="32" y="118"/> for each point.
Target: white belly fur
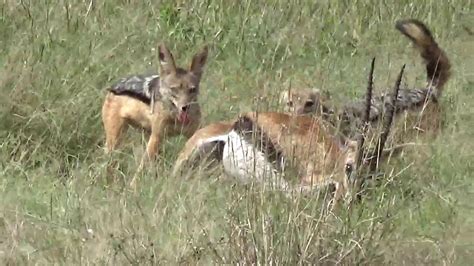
<point x="243" y="161"/>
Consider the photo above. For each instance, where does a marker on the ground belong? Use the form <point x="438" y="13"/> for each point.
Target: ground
<point x="58" y="58"/>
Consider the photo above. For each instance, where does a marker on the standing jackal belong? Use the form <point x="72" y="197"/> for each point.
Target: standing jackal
<point x="164" y="105"/>
<point x="421" y="105"/>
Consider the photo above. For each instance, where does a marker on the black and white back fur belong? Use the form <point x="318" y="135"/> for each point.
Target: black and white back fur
<point x="140" y="87"/>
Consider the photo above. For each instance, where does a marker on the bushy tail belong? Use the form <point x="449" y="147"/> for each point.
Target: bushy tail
<point x="437" y="63"/>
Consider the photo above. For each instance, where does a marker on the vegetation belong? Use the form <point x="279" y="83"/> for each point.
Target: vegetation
<point x="58" y="57"/>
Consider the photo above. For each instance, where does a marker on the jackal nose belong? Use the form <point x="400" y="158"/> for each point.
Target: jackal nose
<point x="185" y="108"/>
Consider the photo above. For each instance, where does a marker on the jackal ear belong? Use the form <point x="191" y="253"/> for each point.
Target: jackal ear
<point x="167" y="64"/>
<point x="199" y="60"/>
<point x="325" y="95"/>
<point x="315" y="94"/>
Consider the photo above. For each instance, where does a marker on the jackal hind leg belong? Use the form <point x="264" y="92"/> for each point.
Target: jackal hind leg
<point x="114" y="127"/>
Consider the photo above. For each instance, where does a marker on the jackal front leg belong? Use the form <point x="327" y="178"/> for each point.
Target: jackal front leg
<point x="152" y="148"/>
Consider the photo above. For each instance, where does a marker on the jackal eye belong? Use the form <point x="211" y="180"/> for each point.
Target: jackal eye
<point x="348" y="169"/>
<point x="193" y="90"/>
<point x="308" y="104"/>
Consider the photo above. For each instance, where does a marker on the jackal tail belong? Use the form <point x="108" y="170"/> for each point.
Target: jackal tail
<point x="437" y="63"/>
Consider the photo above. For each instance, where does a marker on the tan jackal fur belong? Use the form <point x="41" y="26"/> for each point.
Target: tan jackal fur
<point x="163" y="105"/>
<point x="418" y="109"/>
<point x="262" y="146"/>
<point x="216" y="136"/>
<point x="304" y="101"/>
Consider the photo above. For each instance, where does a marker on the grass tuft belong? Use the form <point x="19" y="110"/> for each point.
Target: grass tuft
<point x="58" y="58"/>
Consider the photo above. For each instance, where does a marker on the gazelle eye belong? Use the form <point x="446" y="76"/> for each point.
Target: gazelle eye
<point x="349" y="169"/>
<point x="309" y="104"/>
<point x="289" y="103"/>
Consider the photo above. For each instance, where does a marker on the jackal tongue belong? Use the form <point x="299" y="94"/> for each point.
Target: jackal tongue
<point x="183" y="117"/>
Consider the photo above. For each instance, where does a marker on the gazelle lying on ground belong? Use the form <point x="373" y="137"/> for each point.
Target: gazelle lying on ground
<point x="262" y="147"/>
<point x="422" y="104"/>
<point x="296" y="102"/>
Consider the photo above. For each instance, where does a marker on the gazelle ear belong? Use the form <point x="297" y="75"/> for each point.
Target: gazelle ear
<point x="167" y="64"/>
<point x="199" y="60"/>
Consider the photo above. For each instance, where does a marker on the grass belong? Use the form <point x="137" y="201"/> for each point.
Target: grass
<point x="58" y="57"/>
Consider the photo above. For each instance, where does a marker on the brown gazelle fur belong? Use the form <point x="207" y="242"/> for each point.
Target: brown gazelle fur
<point x="410" y="100"/>
<point x="193" y="151"/>
<point x="295" y="102"/>
<point x="309" y="145"/>
<point x="175" y="108"/>
<point x="263" y="145"/>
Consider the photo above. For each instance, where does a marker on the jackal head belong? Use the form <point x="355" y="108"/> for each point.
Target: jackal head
<point x="180" y="86"/>
<point x="301" y="102"/>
